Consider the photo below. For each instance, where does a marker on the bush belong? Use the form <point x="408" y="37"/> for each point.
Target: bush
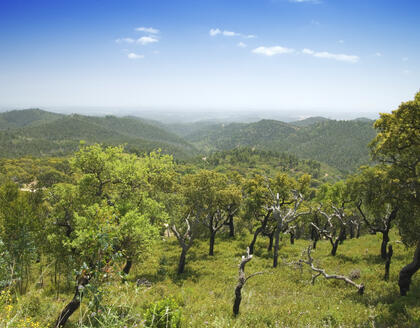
<point x="165" y="313"/>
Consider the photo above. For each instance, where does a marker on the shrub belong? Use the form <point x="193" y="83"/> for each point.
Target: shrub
<point x="165" y="313"/>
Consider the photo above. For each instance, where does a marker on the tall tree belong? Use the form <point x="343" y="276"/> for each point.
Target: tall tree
<point x="397" y="145"/>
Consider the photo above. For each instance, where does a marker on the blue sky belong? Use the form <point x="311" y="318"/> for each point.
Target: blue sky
<point x="304" y="55"/>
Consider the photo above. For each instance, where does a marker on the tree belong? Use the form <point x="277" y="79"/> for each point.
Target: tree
<point x="397" y="145"/>
<point x="21" y="221"/>
<point x="333" y="199"/>
<point x="372" y="191"/>
<point x="211" y="198"/>
<point x="107" y="216"/>
<point x="257" y="206"/>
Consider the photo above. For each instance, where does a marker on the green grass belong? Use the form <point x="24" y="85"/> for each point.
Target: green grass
<point x="283" y="297"/>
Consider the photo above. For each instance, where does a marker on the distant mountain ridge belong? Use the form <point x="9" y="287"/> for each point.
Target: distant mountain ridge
<point x="339" y="144"/>
<point x="37" y="133"/>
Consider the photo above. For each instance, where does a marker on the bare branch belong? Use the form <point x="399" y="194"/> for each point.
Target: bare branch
<point x="310" y="260"/>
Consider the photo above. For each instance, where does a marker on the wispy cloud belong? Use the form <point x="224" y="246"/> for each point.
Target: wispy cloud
<point x="132" y="55"/>
<point x="378" y="54"/>
<point x="404" y="59"/>
<point x="271" y="51"/>
<point x="144" y="40"/>
<point x="230" y="33"/>
<point x="150" y="30"/>
<point x="217" y="31"/>
<point x="241" y="45"/>
<point x="329" y="55"/>
<point x="341" y="41"/>
<point x="214" y="31"/>
<point x="125" y="40"/>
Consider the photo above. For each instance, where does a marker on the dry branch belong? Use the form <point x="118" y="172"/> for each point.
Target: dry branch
<point x="319" y="272"/>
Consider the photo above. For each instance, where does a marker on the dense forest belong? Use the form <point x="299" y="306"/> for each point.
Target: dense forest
<point x="123" y="222"/>
<point x="338" y="144"/>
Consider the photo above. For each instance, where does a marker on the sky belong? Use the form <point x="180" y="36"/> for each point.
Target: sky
<point x="308" y="56"/>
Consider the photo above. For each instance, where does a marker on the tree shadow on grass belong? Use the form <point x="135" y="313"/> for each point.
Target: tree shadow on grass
<point x="396" y="310"/>
<point x="377" y="259"/>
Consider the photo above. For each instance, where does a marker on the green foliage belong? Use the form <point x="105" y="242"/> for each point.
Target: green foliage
<point x="165" y="313"/>
<point x="58" y="135"/>
<point x="397" y="145"/>
<point x="341" y="144"/>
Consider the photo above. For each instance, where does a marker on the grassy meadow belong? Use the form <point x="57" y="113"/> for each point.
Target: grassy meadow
<point x="282" y="297"/>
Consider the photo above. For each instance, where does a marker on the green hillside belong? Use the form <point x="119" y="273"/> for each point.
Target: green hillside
<point x="341" y="144"/>
<point x="40" y="133"/>
<point x="309" y="121"/>
<point x="21" y="118"/>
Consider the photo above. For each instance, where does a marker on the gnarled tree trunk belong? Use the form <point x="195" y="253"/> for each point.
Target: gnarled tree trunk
<point x="74" y="303"/>
<point x="408" y="271"/>
<point x="241" y="281"/>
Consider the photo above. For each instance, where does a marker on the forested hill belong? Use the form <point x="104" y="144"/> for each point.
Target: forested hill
<point x="36" y="132"/>
<point x="26" y="117"/>
<point x="341" y="144"/>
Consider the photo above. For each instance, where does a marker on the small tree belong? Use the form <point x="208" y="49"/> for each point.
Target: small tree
<point x="372" y="191"/>
<point x="210" y="197"/>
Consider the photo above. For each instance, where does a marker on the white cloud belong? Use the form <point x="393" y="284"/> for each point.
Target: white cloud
<point x="150" y="30"/>
<point x="214" y="31"/>
<point x="329" y="55"/>
<point x="405" y="59"/>
<point x="230" y="33"/>
<point x="241" y="45"/>
<point x="378" y="54"/>
<point x="125" y="40"/>
<point x="271" y="51"/>
<point x="132" y="55"/>
<point x="341" y="41"/>
<point x="217" y="31"/>
<point x="308" y="51"/>
<point x="144" y="40"/>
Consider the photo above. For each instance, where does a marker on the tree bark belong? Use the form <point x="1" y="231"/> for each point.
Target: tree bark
<point x="241" y="281"/>
<point x="385" y="241"/>
<point x="270" y="242"/>
<point x="258" y="231"/>
<point x="231" y="226"/>
<point x="334" y="247"/>
<point x="254" y="239"/>
<point x="127" y="266"/>
<point x="408" y="271"/>
<point x="292" y="238"/>
<point x="181" y="265"/>
<point x="212" y="239"/>
<point x="73" y="305"/>
<point x="388" y="262"/>
<point x="276" y="244"/>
